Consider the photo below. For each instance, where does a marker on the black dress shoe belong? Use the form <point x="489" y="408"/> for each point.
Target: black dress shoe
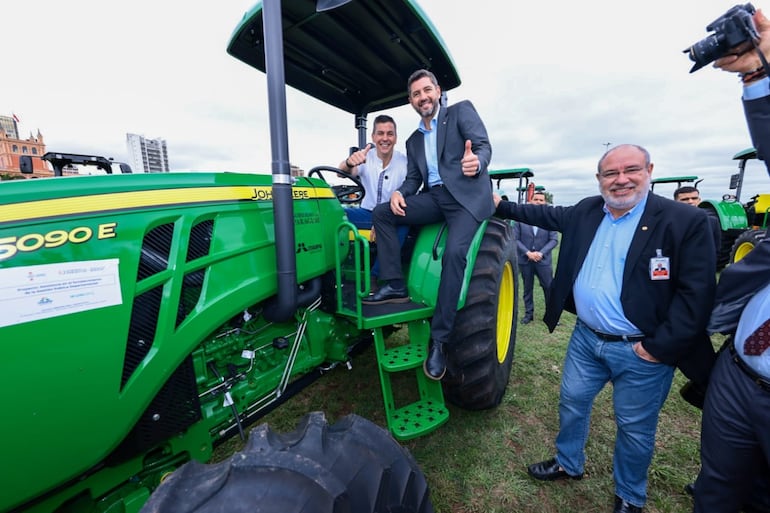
<point x="689" y="489"/>
<point x="549" y="470"/>
<point x="526" y="320"/>
<point x="387" y="294"/>
<point x="435" y="364"/>
<point x="622" y="506"/>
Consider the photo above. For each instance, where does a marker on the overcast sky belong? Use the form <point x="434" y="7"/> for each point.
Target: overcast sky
<point x="553" y="81"/>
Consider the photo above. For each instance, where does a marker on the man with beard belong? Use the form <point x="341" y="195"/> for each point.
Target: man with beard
<point x="447" y="156"/>
<point x="634" y="326"/>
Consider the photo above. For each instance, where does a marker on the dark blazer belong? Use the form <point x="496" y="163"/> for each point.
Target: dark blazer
<point x="672" y="313"/>
<point x="455" y="124"/>
<point x="526" y="240"/>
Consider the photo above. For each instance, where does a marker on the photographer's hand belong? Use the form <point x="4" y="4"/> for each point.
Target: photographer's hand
<point x="749" y="61"/>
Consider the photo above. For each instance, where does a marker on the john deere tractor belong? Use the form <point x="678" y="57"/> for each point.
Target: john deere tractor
<point x="743" y="224"/>
<point x="146" y="318"/>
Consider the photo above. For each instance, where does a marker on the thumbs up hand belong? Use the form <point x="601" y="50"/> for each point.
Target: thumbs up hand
<point x="470" y="161"/>
<point x="359" y="157"/>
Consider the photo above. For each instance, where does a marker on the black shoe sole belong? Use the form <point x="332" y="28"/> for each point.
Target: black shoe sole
<point x="431" y="376"/>
<point x="553" y="476"/>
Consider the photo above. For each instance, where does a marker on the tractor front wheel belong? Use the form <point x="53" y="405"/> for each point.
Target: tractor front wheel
<point x="745" y="242"/>
<point x="480" y="352"/>
<point x="351" y="466"/>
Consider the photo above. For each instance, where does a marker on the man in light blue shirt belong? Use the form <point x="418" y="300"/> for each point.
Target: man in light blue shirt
<point x="639" y="272"/>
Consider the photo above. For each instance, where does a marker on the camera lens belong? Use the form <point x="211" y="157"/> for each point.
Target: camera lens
<point x="706" y="50"/>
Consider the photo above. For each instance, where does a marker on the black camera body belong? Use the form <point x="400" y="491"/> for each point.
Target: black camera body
<point x="733" y="33"/>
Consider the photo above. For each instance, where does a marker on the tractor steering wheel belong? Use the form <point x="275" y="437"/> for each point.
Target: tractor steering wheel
<point x="345" y="193"/>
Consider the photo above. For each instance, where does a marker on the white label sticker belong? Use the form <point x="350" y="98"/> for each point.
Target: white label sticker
<point x="35" y="292"/>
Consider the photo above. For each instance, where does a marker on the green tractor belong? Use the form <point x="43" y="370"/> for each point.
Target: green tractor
<point x="678" y="180"/>
<point x="743" y="225"/>
<point x="524" y="186"/>
<point x="147" y="318"/>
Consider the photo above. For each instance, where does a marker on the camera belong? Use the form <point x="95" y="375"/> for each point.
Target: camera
<point x="733" y="33"/>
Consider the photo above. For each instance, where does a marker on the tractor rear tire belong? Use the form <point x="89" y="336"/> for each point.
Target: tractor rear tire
<point x="744" y="243"/>
<point x="480" y="352"/>
<point x="353" y="466"/>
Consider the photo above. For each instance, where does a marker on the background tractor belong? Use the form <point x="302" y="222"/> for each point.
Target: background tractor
<point x="743" y="224"/>
<point x="147" y="318"/>
<point x="516" y="185"/>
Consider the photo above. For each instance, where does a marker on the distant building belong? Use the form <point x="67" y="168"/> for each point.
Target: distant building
<point x="8" y="123"/>
<point x="12" y="148"/>
<point x="147" y="155"/>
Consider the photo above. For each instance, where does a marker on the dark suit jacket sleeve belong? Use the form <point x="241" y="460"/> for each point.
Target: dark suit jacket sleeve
<point x="415" y="152"/>
<point x="544" y="216"/>
<point x="471" y="127"/>
<point x="758" y="119"/>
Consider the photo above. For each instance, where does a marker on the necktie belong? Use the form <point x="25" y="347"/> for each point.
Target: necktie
<point x="758" y="341"/>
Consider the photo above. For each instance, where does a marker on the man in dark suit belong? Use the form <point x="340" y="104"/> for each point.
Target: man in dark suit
<point x="634" y="326"/>
<point x="447" y="156"/>
<point x="534" y="246"/>
<point x="735" y="439"/>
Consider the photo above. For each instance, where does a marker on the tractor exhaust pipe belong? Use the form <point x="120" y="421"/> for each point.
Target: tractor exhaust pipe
<point x="283" y="208"/>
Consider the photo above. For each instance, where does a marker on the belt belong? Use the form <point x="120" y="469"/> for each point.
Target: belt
<point x="437" y="186"/>
<point x="761" y="382"/>
<point x="615" y="338"/>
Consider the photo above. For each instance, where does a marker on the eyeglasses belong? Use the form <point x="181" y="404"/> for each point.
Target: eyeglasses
<point x="629" y="171"/>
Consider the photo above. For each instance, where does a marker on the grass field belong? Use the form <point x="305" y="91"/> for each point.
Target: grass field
<point x="477" y="461"/>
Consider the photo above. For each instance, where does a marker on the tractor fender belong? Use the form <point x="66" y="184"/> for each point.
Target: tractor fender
<point x="425" y="267"/>
<point x="730" y="213"/>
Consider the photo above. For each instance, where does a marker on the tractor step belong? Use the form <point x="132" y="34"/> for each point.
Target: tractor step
<point x="417" y="419"/>
<point x="420" y="412"/>
<point x="401" y="358"/>
<point x="394" y="360"/>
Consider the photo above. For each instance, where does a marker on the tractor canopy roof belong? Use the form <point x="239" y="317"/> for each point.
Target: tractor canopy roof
<point x="748" y="153"/>
<point x="356" y="57"/>
<point x="522" y="174"/>
<point x="678" y="180"/>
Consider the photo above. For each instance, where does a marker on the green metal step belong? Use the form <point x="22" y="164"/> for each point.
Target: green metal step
<point x="403" y="358"/>
<point x="428" y="411"/>
<point x="417" y="419"/>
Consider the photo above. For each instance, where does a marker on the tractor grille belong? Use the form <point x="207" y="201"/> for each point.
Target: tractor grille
<point x="141" y="332"/>
<point x="174" y="409"/>
<point x="156" y="248"/>
<point x="200" y="240"/>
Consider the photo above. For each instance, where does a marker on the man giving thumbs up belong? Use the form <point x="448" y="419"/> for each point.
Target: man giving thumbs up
<point x="447" y="159"/>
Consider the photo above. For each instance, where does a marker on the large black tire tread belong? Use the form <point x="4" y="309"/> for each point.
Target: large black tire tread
<point x="726" y="239"/>
<point x="353" y="466"/>
<point x="480" y="352"/>
<point x="744" y="243"/>
<point x="725" y="249"/>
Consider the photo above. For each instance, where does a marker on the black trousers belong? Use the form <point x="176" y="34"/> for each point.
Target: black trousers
<point x="434" y="206"/>
<point x="735" y="442"/>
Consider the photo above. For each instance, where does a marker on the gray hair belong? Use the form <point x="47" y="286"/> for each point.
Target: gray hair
<point x="606" y="153"/>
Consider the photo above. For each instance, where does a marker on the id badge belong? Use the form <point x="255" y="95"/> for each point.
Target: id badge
<point x="659" y="267"/>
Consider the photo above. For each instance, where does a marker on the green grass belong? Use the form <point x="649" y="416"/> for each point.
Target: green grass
<point x="477" y="461"/>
